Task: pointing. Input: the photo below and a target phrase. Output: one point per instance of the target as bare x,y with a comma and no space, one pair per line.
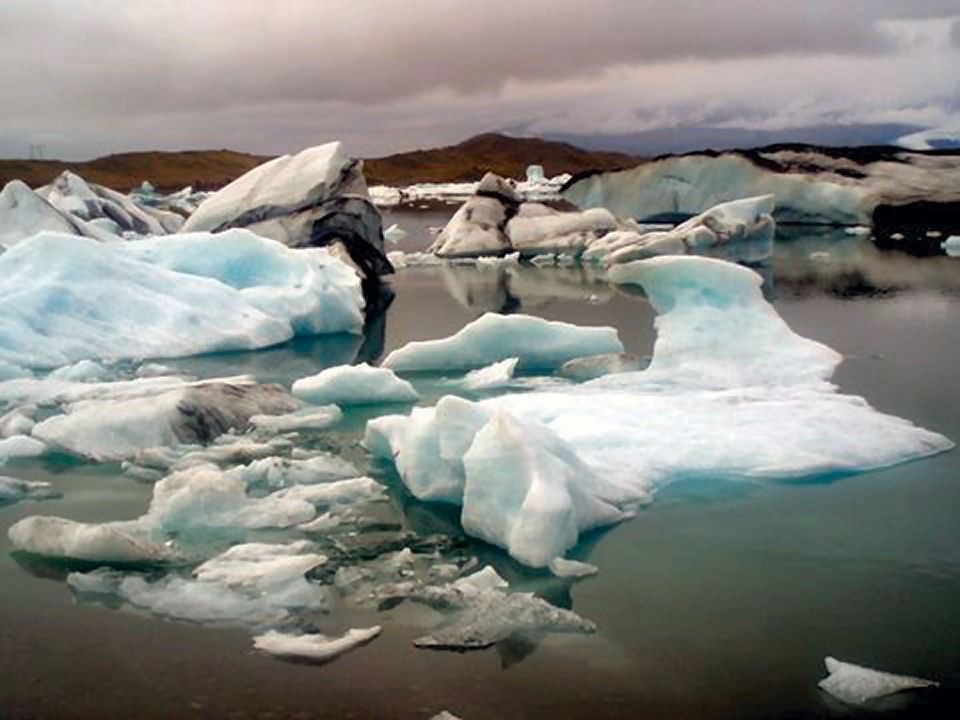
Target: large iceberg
316,198
731,392
843,186
66,298
537,343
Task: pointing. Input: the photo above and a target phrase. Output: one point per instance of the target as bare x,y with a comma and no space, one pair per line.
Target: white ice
24,213
354,385
731,392
66,298
561,567
855,685
13,490
315,647
490,377
60,538
538,343
311,418
20,446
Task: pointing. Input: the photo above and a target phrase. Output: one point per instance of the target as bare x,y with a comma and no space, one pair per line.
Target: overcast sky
89,77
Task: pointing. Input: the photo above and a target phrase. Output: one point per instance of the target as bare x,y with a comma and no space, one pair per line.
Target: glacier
315,198
66,298
535,342
731,392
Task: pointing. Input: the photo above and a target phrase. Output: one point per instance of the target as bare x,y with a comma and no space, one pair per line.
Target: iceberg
24,213
855,685
316,198
195,413
537,343
842,186
278,472
18,446
354,385
315,647
490,377
596,366
307,419
18,421
66,298
94,203
731,392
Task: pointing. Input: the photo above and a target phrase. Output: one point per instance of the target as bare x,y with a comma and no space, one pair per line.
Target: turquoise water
720,600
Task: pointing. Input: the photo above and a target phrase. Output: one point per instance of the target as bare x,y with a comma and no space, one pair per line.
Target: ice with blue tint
731,392
492,376
20,446
536,342
24,213
14,490
354,385
66,298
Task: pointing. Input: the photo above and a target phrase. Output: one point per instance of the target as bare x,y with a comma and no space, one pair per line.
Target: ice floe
537,343
316,647
490,377
315,198
354,385
66,298
311,418
20,446
104,543
855,685
731,392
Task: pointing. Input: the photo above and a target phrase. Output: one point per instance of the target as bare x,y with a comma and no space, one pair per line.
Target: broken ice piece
854,684
571,568
315,647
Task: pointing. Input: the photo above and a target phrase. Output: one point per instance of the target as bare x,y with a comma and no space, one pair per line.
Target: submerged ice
731,392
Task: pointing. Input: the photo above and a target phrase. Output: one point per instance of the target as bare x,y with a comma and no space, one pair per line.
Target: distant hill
490,152
167,171
677,140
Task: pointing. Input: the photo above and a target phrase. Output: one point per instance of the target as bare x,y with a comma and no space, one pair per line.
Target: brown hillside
212,169
489,152
168,171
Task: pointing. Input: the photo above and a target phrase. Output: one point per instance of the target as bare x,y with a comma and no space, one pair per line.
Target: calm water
720,600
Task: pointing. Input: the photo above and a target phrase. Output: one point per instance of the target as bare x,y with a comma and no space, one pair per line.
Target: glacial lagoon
720,599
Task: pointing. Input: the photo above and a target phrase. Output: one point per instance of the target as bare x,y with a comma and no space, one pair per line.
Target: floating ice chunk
24,213
83,371
855,685
564,568
13,490
731,392
310,289
712,322
18,446
394,234
536,342
18,421
116,430
486,579
748,219
951,246
527,491
315,647
486,614
319,418
354,385
202,498
277,472
52,315
316,197
535,173
477,228
493,376
559,232
60,538
595,366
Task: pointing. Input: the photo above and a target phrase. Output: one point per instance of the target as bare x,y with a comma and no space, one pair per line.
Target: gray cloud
264,73
955,33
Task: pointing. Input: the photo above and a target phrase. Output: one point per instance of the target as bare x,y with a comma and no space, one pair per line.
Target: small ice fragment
394,234
854,684
309,419
491,376
354,385
571,568
13,490
313,647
